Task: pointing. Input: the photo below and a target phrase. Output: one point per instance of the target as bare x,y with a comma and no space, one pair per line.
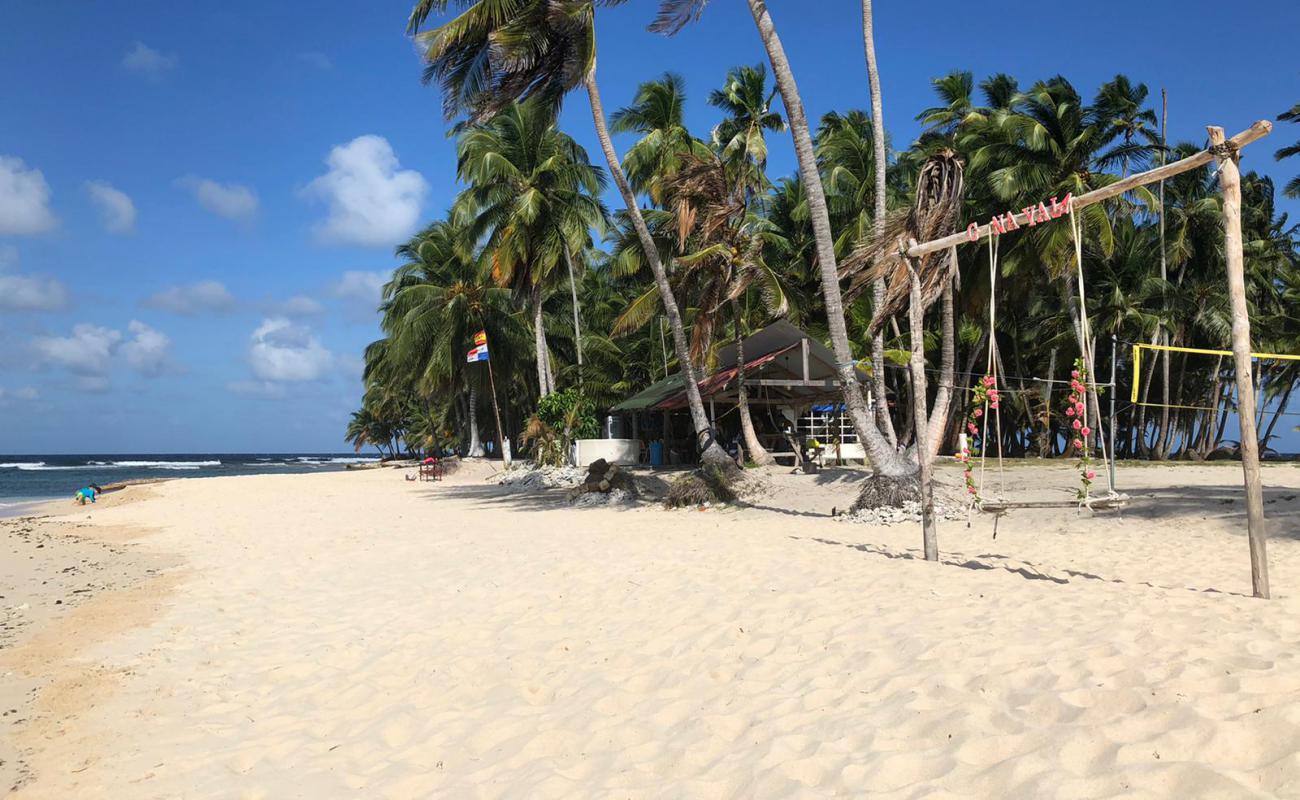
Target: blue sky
198,200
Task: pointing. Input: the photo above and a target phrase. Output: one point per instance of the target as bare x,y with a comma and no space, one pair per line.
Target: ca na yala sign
1043,212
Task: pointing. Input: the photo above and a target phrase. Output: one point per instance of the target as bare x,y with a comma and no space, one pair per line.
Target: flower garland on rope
984,394
1076,410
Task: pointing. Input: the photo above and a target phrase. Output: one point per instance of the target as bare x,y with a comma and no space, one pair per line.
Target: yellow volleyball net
1136,397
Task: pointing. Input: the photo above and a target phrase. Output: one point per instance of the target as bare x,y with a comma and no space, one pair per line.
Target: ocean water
27,478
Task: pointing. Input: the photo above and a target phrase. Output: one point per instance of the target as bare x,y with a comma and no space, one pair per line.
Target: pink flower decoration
1077,425
1090,474
994,405
1069,412
1085,430
979,412
970,426
970,489
1078,443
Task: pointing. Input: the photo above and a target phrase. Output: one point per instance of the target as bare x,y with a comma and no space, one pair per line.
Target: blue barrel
656,454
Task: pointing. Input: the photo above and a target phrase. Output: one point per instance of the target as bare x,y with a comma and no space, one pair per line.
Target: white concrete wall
615,451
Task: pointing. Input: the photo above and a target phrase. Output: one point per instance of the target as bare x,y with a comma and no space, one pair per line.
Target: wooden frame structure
1226,153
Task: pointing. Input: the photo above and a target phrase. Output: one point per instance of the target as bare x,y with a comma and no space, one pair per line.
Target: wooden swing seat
1097,504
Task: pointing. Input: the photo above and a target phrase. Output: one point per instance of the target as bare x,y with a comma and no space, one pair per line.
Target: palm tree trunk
878,150
1277,414
884,458
475,446
712,452
539,347
947,367
1143,449
757,453
1047,442
1166,444
577,327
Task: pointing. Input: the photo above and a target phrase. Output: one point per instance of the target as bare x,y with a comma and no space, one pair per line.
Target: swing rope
1086,343
990,368
1112,500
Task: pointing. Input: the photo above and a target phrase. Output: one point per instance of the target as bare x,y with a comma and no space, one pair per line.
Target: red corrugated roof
718,380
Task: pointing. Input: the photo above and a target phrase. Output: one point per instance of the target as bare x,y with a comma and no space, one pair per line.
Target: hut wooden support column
1225,152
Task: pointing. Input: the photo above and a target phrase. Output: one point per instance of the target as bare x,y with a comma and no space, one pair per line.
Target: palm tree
878,214
493,54
746,105
673,16
531,201
1292,187
1121,111
658,114
434,304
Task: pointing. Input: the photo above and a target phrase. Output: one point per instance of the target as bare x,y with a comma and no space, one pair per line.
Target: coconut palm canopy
737,247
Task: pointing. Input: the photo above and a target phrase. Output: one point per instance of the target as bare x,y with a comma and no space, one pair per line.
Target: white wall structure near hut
615,451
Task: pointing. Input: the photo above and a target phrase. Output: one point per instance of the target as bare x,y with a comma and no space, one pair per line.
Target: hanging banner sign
1033,215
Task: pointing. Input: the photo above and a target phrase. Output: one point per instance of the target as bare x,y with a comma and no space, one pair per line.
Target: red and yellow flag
480,338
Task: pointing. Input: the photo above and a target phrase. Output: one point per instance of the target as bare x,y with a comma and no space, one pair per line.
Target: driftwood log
604,477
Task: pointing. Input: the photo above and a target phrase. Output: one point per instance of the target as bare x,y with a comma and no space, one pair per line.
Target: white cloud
315,58
24,199
28,292
144,60
86,352
256,388
90,350
22,393
229,200
283,351
371,201
115,207
360,286
299,306
147,350
190,300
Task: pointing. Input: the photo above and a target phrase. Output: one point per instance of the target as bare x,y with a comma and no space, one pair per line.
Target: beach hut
791,380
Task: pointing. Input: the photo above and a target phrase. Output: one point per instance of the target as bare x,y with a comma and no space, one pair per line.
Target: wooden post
496,412
1255,132
916,318
1230,182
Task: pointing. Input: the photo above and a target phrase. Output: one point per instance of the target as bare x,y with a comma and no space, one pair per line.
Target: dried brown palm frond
935,213
703,197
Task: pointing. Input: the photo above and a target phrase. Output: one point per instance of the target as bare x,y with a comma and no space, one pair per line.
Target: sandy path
356,635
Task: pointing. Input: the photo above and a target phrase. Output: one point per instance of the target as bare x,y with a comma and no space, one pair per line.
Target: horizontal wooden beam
829,383
1255,132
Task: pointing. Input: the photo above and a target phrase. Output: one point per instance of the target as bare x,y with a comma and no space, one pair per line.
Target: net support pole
1114,389
1230,183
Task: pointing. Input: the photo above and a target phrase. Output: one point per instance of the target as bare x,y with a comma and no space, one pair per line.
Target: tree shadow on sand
1025,569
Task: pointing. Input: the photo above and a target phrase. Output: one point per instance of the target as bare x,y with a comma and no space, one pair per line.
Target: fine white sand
356,635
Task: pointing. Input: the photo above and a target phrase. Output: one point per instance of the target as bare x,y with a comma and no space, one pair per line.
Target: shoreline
353,633
59,578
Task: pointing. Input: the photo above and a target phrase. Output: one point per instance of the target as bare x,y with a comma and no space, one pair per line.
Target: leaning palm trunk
757,453
878,218
711,452
938,423
475,446
884,458
577,328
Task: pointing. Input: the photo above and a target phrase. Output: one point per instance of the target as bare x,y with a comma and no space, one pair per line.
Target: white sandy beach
356,635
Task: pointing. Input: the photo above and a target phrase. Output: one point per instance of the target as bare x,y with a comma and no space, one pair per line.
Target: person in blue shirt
87,493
